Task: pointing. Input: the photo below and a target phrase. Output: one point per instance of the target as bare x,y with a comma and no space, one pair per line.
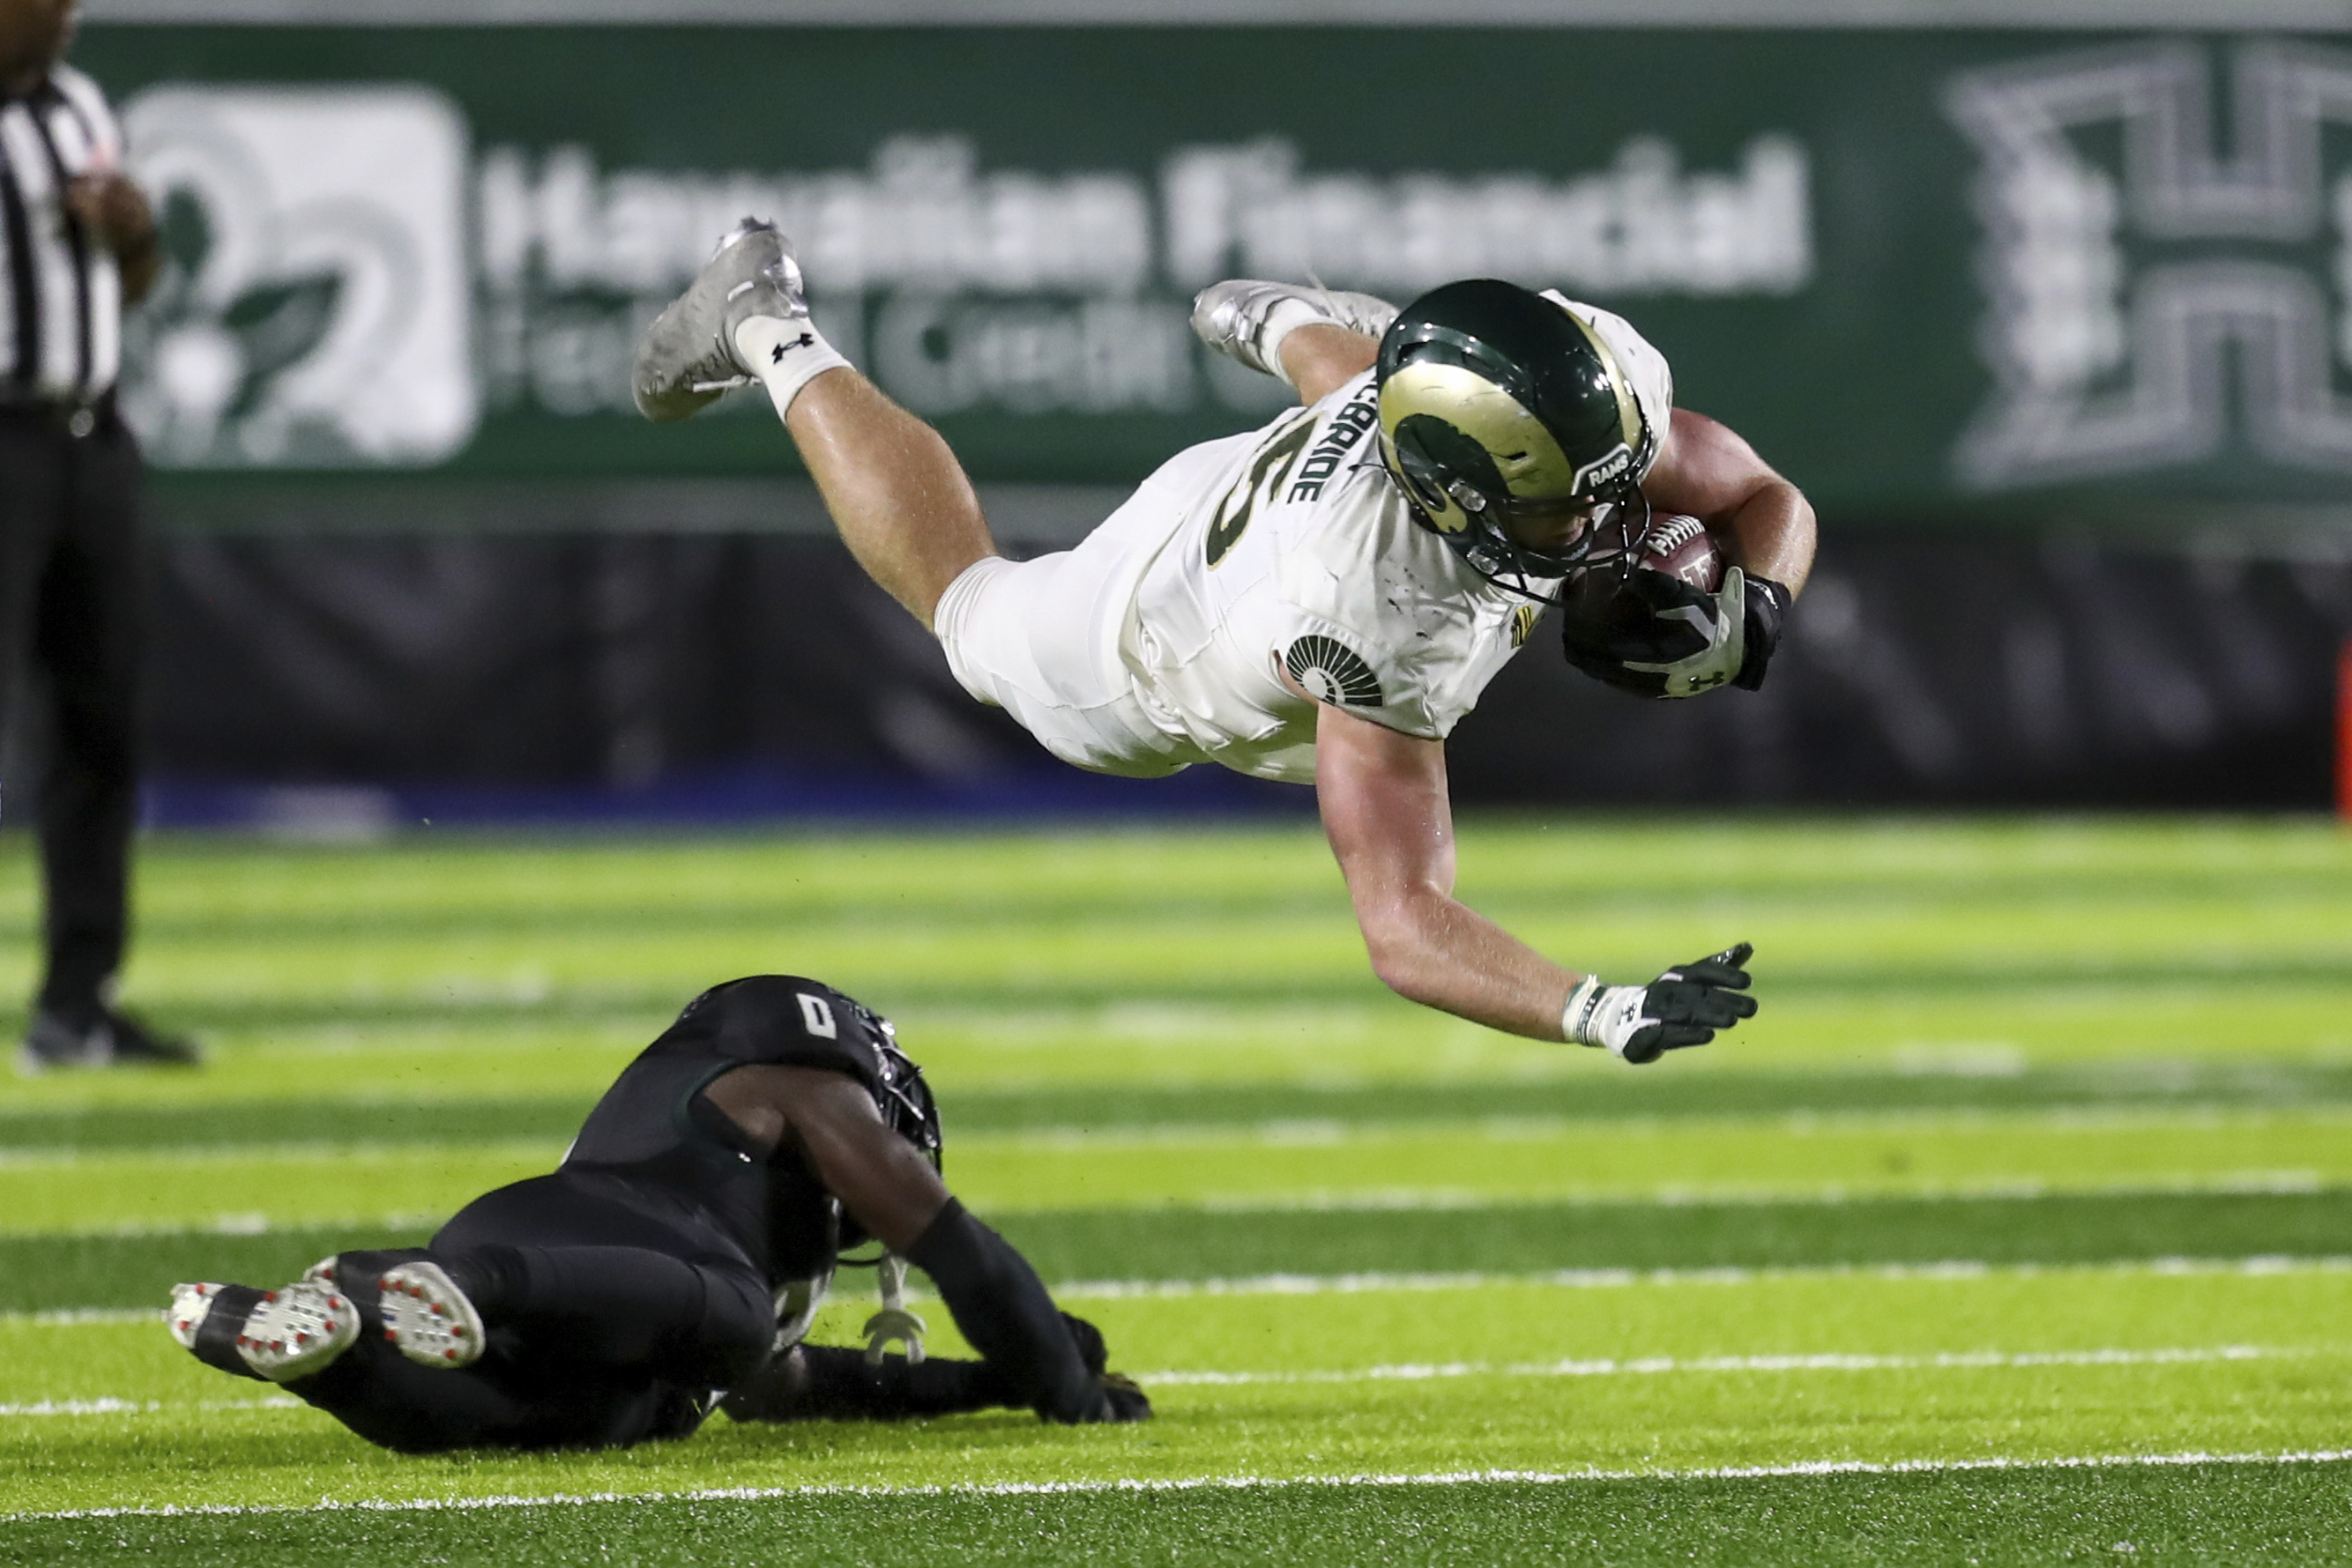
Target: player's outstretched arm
995,1296
1391,823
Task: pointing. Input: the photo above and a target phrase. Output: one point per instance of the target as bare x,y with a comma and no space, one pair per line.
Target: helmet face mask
1512,431
907,1104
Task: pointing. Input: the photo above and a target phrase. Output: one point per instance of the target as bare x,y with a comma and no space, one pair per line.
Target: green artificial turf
2211,1513
2037,1152
1095,1107
50,1273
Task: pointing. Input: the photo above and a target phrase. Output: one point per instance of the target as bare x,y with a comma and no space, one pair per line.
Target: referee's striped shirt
60,296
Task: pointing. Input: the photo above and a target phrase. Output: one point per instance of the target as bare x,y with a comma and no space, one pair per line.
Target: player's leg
323,1342
584,1279
897,493
902,502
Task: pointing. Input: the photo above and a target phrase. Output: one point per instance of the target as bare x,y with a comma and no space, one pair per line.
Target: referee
77,244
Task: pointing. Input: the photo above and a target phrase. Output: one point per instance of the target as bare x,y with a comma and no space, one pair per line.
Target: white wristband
1608,1017
1281,322
1576,1019
786,354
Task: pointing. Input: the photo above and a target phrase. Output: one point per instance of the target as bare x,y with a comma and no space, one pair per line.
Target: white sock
786,355
1281,322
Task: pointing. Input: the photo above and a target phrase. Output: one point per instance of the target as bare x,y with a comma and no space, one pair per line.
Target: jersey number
1241,502
817,1015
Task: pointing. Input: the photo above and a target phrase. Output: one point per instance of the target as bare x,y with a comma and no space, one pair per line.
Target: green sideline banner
1925,271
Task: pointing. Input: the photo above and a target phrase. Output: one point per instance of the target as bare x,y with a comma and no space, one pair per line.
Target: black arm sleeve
1001,1305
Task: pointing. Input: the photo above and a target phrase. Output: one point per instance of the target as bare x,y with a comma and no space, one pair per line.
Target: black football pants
607,1328
71,592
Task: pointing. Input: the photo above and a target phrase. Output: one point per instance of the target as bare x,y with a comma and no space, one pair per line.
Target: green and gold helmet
1499,405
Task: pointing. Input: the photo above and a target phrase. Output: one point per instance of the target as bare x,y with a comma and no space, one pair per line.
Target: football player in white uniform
1320,600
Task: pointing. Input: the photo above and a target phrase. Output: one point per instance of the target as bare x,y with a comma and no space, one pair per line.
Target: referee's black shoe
104,1038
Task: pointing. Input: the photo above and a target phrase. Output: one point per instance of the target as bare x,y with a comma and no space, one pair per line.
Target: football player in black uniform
675,1258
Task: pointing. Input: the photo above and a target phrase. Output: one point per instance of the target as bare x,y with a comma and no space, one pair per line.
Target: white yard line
1646,1366
1212,1483
2219,1184
1557,1278
2223,1184
1610,1278
113,1406
1651,1366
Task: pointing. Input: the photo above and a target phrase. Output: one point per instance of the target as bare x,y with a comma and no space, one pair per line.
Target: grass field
2014,1229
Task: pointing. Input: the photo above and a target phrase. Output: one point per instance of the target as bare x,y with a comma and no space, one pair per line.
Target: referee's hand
116,211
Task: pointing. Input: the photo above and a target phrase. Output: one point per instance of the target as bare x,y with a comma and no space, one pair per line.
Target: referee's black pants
71,590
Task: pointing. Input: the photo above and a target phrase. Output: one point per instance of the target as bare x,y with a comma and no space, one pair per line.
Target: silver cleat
685,360
427,1318
1231,316
287,1334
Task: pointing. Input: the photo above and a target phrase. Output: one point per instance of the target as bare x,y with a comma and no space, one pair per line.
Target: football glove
1659,637
1767,606
1683,1007
1122,1400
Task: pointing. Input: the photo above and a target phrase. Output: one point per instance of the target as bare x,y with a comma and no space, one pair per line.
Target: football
1680,547
1596,606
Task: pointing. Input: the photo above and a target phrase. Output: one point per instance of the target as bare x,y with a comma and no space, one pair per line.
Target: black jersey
654,1133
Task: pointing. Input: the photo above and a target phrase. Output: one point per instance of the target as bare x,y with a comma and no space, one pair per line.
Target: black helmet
1498,404
904,1100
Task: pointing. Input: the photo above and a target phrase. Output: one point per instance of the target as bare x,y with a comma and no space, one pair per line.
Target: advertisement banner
1982,273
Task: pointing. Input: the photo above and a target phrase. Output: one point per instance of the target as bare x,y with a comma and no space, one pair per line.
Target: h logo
2147,270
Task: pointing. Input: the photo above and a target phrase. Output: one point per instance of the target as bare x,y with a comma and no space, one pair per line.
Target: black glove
1767,606
1683,1007
1656,636
1123,1399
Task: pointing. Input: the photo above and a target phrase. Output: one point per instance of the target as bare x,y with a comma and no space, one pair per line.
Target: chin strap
894,1321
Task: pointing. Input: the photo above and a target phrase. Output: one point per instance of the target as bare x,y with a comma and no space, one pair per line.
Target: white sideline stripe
1563,1279
1215,1483
1651,1367
1607,1278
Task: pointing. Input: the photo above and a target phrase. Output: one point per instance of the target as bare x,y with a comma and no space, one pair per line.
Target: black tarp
1918,671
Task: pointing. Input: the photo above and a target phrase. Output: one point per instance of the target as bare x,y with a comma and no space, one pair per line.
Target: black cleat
110,1038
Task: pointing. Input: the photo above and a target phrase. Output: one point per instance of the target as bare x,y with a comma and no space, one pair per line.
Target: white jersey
1161,640
1294,552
